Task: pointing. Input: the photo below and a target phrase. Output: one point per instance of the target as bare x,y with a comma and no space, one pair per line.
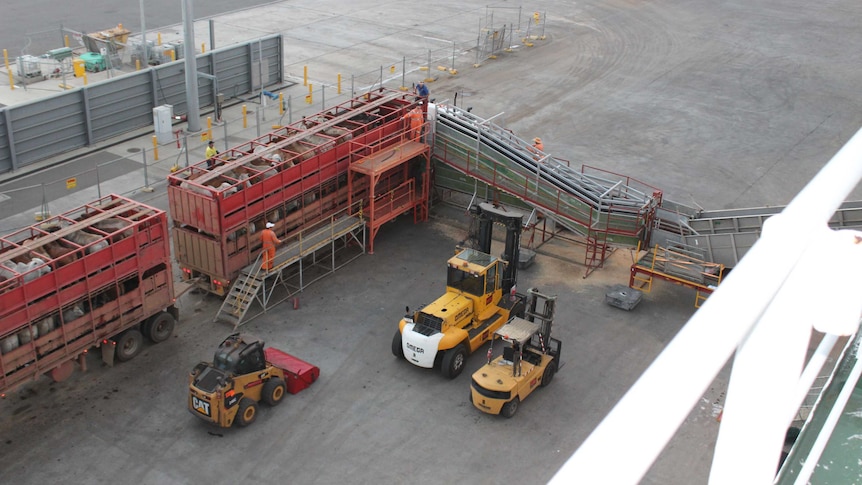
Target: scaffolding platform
679,264
310,255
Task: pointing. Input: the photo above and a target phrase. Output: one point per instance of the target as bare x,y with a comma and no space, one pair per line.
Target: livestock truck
293,176
95,276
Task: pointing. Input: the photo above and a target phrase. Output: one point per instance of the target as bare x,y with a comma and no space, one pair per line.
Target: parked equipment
96,276
530,358
480,297
242,374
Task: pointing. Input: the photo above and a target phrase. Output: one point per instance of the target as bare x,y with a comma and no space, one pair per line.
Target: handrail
764,307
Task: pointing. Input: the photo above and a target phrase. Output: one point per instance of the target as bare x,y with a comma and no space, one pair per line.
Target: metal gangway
314,252
603,207
726,235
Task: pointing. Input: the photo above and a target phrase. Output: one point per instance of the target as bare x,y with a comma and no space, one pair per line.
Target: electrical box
162,116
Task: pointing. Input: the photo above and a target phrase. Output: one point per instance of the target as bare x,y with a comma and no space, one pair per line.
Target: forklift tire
510,408
160,327
549,373
397,349
273,391
453,361
129,345
247,412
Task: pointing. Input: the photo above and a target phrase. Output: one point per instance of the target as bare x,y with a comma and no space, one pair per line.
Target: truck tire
273,391
510,408
453,361
549,373
247,412
160,327
397,349
129,345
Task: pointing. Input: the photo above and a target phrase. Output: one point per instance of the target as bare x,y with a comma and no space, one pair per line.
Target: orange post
244,116
305,75
11,77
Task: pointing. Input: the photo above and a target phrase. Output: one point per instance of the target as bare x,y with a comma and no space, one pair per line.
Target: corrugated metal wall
34,131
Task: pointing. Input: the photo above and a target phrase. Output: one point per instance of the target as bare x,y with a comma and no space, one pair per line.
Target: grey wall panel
51,126
48,127
5,153
232,67
121,105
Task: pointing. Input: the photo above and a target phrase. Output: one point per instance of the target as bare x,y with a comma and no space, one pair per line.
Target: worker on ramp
268,241
415,118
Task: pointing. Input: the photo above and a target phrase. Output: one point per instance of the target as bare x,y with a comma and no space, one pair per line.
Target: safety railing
799,277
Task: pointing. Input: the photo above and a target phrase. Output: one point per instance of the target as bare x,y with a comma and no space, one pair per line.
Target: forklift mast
488,215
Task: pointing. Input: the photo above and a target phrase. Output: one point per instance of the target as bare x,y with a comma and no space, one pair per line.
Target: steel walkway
341,236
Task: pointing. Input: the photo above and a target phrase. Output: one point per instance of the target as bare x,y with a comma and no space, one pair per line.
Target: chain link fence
145,166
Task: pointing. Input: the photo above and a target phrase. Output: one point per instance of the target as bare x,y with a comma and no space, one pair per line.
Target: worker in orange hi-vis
538,145
269,241
415,118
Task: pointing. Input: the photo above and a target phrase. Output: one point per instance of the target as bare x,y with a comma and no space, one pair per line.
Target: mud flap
109,350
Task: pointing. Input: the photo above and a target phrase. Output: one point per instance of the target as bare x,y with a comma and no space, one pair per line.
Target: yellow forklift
244,372
480,297
529,359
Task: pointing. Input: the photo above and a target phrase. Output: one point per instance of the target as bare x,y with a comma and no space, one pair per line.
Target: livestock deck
96,276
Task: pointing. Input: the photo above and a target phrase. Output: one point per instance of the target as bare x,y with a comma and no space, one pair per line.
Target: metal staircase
297,264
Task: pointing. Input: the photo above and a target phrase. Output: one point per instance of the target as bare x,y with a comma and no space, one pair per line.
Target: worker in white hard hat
268,242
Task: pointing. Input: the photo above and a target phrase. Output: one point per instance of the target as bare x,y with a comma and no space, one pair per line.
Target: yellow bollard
155,148
66,40
536,17
137,64
85,78
203,47
305,75
209,127
339,83
281,103
308,98
244,116
392,68
11,77
159,38
173,55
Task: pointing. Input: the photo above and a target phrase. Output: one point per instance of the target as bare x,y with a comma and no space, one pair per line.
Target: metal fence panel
5,152
121,105
48,127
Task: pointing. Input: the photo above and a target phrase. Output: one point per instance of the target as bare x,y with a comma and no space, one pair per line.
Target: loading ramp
603,207
313,253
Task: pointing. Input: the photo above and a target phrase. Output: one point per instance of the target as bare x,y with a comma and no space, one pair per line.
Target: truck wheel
453,361
510,408
160,327
129,344
273,391
397,349
548,375
247,412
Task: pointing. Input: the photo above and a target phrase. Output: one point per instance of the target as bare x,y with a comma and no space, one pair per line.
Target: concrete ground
723,105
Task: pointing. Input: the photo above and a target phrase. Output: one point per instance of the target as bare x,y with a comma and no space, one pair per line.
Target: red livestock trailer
96,276
292,177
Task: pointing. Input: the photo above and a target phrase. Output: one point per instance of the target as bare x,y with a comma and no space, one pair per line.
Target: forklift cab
239,355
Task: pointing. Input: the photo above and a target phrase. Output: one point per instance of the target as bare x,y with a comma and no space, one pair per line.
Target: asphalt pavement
721,105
